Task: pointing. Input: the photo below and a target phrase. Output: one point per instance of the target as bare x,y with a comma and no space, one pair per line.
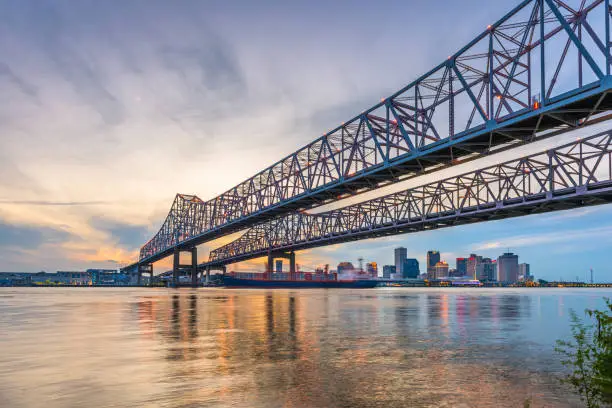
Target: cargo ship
297,281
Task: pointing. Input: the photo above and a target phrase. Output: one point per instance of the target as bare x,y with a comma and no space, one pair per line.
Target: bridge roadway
573,175
545,65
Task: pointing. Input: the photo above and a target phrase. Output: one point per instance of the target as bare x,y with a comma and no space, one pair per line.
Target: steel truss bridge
542,68
573,175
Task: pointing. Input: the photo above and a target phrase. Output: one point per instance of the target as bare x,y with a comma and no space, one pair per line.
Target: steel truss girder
575,174
481,97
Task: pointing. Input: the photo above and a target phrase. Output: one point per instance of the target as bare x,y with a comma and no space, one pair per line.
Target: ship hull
231,282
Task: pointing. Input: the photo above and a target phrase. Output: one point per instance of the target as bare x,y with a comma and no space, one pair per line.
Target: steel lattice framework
544,65
576,174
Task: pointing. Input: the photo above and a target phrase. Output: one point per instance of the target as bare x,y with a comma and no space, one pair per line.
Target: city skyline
101,133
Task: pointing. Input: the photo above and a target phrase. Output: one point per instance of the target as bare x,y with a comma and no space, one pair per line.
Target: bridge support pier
283,255
145,268
191,269
194,267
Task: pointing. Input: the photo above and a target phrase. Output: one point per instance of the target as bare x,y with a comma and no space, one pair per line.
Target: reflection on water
387,347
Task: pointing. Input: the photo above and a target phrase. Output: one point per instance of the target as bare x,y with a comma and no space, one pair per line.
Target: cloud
575,235
127,235
30,237
52,203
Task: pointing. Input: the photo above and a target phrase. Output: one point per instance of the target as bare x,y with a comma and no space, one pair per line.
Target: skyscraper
507,265
524,273
461,267
388,271
400,258
485,270
411,269
433,257
440,270
472,262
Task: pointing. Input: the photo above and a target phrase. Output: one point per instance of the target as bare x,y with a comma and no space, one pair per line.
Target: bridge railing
576,168
540,53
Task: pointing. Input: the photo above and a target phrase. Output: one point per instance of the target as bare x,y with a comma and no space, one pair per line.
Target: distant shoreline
585,286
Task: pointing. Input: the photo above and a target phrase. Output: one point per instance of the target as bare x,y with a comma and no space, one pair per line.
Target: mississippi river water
386,347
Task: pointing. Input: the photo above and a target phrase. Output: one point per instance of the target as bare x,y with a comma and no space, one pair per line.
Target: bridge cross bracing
573,175
544,66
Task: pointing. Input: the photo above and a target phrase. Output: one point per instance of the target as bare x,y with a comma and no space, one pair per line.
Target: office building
508,269
400,257
411,269
388,271
461,267
524,273
485,270
440,270
279,265
433,257
472,263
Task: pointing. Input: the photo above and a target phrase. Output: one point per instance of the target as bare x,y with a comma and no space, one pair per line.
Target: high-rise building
461,267
400,258
388,271
344,267
524,273
440,270
372,269
279,265
508,267
485,270
433,257
472,262
411,269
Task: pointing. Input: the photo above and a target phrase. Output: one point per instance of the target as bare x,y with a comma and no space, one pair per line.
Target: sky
108,109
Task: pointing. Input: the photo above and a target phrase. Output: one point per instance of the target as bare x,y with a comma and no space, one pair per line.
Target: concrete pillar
208,275
194,266
139,275
270,263
175,267
292,265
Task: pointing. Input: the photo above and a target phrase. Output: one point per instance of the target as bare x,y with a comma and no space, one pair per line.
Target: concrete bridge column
292,265
194,266
176,267
283,255
144,268
270,267
208,275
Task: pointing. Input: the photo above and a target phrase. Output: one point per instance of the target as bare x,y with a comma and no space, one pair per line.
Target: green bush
589,355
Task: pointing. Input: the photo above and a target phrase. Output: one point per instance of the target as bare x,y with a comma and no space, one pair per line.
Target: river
384,347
